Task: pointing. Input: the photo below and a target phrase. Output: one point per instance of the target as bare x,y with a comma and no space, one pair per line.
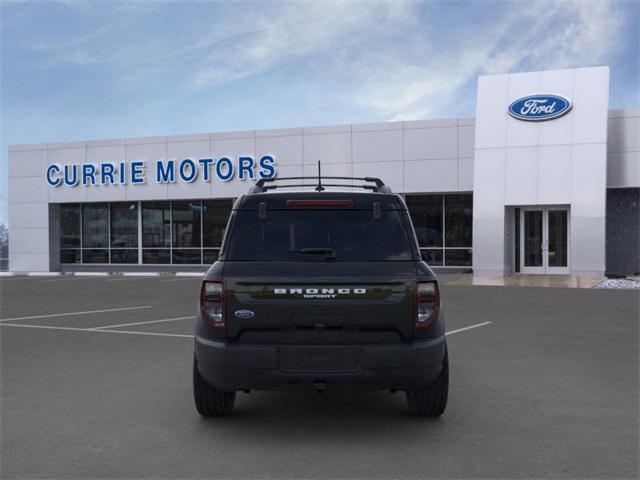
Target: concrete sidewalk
556,281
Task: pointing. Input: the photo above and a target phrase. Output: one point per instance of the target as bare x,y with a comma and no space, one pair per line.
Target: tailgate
341,303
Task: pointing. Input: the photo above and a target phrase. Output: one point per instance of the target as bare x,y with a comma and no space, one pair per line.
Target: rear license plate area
318,358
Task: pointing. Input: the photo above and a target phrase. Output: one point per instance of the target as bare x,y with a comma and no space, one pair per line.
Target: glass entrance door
544,241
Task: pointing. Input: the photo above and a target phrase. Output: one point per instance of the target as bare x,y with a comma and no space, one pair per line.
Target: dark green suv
320,290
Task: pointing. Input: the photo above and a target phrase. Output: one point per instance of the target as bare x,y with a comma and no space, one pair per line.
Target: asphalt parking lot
96,383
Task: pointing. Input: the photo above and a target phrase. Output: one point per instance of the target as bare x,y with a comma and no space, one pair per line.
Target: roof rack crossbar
266,188
378,187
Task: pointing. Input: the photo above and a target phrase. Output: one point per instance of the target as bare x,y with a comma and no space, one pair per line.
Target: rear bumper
232,367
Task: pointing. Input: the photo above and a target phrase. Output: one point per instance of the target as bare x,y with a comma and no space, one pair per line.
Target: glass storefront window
185,221
457,257
95,225
210,255
124,225
433,256
172,232
186,256
444,221
127,255
70,226
458,214
215,214
426,215
95,255
70,256
156,255
156,224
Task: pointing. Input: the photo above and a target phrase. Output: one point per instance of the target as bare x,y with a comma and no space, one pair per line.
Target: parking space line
141,323
160,334
68,314
180,279
74,278
464,329
75,329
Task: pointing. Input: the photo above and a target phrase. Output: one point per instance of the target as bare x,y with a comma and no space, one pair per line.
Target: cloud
535,37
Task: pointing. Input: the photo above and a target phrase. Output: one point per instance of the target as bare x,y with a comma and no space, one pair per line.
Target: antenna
319,188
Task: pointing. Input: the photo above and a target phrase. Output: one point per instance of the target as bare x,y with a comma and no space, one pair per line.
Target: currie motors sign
137,172
536,108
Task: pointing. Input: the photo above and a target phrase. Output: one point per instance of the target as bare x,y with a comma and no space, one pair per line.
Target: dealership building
544,180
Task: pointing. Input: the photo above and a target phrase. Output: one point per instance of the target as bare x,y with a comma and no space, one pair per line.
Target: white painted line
91,274
140,274
190,274
7,274
43,274
142,323
178,279
464,329
74,313
74,329
70,278
121,278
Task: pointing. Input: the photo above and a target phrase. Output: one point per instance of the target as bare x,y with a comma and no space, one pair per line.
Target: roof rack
377,184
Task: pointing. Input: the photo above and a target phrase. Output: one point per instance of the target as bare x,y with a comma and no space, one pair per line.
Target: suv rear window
315,235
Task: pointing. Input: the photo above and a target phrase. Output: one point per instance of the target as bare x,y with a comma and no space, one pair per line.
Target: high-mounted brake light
320,203
427,303
212,302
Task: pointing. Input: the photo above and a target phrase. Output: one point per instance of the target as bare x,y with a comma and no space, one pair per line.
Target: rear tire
211,402
432,400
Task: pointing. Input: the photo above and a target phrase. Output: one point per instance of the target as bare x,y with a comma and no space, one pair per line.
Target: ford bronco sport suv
320,290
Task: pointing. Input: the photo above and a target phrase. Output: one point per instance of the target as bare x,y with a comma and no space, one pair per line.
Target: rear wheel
211,402
432,400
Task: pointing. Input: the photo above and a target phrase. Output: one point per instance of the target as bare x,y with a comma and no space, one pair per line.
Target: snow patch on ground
618,283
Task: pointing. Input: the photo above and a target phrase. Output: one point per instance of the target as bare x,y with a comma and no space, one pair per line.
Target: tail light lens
427,303
212,303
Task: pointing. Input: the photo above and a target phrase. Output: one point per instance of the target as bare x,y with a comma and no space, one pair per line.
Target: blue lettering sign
188,174
51,170
71,175
267,167
137,172
165,173
106,173
228,165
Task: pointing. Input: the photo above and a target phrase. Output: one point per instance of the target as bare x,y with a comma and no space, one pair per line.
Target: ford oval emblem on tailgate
244,314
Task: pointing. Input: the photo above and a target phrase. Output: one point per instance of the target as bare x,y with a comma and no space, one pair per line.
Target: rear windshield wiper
329,253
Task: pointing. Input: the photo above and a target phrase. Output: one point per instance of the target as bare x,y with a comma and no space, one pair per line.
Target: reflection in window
128,255
186,224
444,221
459,257
95,225
70,226
458,214
426,215
215,214
124,225
172,232
156,224
433,256
95,255
156,255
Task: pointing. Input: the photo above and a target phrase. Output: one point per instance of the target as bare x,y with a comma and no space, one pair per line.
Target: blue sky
82,70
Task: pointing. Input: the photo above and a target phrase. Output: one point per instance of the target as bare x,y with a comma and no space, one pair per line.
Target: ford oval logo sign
536,108
244,314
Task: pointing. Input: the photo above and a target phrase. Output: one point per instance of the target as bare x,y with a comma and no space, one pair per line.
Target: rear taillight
427,303
212,302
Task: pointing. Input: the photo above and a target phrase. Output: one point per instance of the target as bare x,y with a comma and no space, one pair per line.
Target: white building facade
544,180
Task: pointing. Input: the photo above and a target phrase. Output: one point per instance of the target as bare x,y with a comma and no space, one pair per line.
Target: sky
73,70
